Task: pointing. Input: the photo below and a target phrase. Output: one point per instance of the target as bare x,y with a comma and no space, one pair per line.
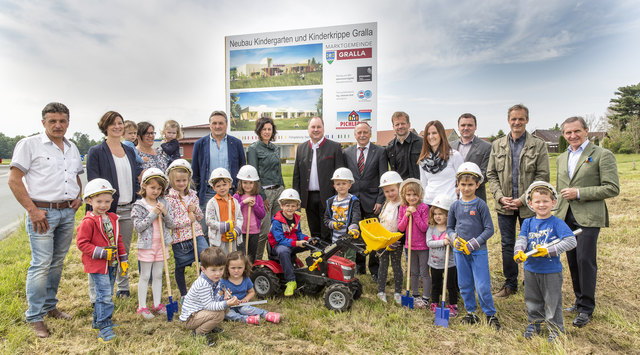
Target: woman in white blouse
438,163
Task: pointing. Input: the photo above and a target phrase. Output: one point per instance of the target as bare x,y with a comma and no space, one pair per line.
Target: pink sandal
253,320
160,309
273,317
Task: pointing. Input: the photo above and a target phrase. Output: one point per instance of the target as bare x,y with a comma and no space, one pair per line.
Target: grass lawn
369,327
313,78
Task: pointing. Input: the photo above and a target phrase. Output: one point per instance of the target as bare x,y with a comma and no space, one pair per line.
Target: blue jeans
507,225
237,314
284,253
48,251
473,275
103,309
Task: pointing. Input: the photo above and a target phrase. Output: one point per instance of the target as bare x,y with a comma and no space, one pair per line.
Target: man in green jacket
587,175
516,160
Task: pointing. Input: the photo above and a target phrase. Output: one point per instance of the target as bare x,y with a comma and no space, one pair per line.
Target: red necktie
361,159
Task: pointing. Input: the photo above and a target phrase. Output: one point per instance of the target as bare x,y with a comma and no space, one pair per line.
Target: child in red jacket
100,242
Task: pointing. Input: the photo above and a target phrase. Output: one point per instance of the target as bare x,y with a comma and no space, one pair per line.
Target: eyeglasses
150,134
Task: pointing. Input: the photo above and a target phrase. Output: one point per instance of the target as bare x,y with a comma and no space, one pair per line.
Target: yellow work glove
107,253
541,252
520,257
461,245
231,235
125,266
337,225
354,233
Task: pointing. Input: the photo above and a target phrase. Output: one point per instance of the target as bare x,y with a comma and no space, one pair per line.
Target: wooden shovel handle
195,247
164,254
409,228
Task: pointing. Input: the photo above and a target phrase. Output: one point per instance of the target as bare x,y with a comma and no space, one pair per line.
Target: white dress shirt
314,184
574,156
49,172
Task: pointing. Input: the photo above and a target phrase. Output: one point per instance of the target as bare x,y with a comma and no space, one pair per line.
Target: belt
54,205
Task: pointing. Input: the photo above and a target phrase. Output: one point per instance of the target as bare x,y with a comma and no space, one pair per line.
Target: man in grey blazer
473,148
367,162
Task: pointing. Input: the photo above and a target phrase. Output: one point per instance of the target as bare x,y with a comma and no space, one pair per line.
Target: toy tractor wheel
356,289
265,282
338,298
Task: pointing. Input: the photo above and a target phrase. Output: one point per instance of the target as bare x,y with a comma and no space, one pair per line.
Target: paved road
10,210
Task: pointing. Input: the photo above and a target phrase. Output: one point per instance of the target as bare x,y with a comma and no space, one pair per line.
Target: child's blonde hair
128,124
412,186
173,177
254,191
432,210
238,255
172,124
162,182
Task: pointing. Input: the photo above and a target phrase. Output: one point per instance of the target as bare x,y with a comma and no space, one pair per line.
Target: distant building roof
550,136
384,137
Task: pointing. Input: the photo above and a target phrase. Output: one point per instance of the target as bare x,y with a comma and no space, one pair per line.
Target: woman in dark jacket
115,162
265,157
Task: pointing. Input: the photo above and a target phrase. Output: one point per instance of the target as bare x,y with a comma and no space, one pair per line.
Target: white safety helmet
542,184
181,164
443,201
470,168
219,173
390,178
153,172
97,186
342,174
289,194
248,173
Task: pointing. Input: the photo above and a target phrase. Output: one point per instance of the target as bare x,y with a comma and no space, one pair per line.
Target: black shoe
470,318
217,330
573,308
581,320
532,329
374,277
493,321
211,339
123,294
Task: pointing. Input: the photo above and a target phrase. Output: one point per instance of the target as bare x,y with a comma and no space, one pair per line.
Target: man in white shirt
316,160
44,178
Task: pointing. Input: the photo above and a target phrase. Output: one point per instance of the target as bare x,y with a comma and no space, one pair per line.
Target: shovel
407,301
442,313
246,238
195,247
172,306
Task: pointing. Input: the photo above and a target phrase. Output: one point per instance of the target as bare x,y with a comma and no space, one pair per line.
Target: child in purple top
248,194
411,192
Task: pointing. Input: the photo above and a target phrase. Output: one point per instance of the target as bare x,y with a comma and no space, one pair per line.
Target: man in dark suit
316,159
367,162
587,175
472,148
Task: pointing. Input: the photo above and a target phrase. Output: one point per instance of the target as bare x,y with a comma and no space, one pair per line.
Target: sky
156,60
280,55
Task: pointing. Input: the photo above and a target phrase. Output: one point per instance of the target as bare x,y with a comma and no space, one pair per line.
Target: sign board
292,76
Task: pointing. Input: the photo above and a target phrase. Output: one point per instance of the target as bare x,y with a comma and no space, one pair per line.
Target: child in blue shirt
470,220
237,282
543,269
205,304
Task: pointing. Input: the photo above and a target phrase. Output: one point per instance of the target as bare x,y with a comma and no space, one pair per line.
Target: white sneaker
397,297
382,296
144,312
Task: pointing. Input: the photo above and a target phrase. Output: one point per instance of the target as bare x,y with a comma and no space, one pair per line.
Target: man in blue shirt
215,150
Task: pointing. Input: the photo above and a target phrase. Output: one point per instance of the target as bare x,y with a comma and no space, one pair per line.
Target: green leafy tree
83,142
7,144
556,128
562,144
625,106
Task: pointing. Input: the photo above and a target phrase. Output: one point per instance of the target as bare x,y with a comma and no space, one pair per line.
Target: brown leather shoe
55,313
504,292
40,329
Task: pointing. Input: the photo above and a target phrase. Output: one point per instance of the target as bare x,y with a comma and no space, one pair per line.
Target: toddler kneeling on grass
204,305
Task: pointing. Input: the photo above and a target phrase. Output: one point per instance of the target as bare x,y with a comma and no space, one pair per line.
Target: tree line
81,140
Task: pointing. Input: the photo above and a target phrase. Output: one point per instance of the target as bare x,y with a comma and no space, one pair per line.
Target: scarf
433,164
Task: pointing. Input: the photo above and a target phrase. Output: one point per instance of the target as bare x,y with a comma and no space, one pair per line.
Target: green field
370,327
312,78
281,124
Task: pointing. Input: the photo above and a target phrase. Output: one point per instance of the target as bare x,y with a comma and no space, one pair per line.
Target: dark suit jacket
100,164
479,153
596,178
200,162
366,184
329,158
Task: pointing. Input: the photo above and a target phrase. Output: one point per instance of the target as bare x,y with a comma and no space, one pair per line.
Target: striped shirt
204,294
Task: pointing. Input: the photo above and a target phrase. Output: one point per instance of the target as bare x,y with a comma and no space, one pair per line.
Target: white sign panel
292,76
